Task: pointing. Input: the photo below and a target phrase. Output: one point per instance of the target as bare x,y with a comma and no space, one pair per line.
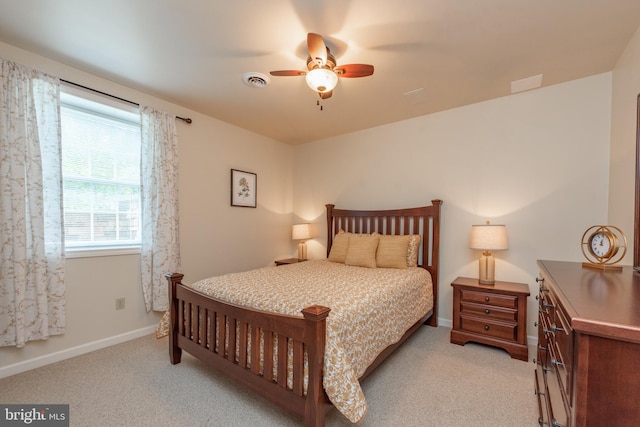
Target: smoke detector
254,79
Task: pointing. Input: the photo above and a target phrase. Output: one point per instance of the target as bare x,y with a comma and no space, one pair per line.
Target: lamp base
302,250
487,269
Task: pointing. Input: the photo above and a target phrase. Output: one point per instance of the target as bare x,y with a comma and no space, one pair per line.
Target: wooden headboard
422,220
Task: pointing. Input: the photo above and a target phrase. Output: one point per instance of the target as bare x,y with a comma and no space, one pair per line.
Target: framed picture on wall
243,188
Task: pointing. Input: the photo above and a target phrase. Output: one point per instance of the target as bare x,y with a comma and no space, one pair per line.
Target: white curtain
159,178
32,304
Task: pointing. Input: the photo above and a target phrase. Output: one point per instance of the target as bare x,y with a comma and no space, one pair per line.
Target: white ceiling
452,52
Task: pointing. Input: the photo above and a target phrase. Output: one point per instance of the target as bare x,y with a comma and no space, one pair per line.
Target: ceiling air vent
254,79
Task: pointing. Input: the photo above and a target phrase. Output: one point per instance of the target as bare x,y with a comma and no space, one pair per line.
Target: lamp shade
301,232
489,237
321,80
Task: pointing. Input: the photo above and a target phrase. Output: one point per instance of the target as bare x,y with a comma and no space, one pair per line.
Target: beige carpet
427,382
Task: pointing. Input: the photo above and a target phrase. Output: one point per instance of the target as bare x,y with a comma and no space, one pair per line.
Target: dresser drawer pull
487,299
555,328
541,287
544,304
486,327
487,311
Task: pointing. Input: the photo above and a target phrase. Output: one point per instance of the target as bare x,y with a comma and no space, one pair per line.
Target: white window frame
84,99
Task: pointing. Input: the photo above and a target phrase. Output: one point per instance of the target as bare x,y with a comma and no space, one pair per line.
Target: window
100,172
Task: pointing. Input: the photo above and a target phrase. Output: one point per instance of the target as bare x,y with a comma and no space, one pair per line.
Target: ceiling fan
322,75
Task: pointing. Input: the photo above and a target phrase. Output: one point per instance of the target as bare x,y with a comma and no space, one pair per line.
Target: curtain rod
184,119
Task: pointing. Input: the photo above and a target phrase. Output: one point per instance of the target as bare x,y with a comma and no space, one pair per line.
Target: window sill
100,252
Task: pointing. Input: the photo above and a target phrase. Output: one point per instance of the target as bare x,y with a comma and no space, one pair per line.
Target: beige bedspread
371,308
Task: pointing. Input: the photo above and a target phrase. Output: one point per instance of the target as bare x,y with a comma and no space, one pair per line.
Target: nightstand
289,261
495,315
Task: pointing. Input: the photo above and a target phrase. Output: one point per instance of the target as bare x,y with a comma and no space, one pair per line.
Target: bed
293,359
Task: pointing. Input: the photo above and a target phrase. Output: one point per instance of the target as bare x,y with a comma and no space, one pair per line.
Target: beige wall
215,237
537,161
626,87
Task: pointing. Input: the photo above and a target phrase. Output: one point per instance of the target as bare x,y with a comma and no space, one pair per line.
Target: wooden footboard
232,338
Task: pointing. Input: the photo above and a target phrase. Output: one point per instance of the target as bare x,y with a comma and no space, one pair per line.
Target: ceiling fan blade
317,48
354,70
285,73
325,95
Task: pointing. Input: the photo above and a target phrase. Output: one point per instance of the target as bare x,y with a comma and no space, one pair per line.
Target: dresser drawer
505,331
561,346
557,365
543,398
559,412
489,312
497,300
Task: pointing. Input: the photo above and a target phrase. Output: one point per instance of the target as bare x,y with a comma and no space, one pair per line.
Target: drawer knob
486,327
486,299
487,311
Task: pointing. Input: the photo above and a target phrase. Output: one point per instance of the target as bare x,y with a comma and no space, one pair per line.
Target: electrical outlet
119,303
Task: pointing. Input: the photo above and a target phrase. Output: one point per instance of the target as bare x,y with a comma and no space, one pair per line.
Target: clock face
600,245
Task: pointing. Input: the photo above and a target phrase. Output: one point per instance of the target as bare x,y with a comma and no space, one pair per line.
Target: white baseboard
38,362
447,323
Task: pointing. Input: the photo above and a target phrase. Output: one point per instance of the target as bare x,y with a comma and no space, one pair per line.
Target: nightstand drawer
507,301
488,312
505,331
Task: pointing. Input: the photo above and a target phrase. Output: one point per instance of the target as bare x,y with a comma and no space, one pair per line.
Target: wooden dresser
588,356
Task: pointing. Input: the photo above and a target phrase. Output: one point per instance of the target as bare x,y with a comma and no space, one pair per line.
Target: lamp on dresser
488,237
301,232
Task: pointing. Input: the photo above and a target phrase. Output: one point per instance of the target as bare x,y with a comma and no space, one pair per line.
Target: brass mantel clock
603,246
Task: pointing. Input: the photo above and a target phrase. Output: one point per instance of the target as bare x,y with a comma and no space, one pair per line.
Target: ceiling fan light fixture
321,80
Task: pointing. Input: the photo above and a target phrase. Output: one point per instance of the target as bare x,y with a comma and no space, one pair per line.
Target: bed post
329,227
316,401
435,255
175,352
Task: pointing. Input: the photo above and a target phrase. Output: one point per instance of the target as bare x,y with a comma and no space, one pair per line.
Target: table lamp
487,238
301,232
